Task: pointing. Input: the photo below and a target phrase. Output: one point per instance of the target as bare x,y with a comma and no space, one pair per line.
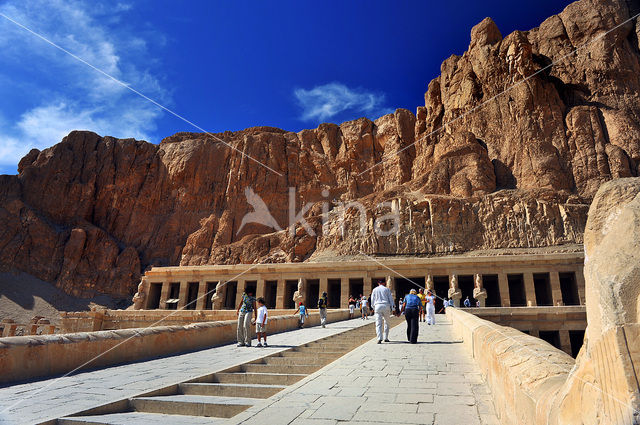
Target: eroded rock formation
477,167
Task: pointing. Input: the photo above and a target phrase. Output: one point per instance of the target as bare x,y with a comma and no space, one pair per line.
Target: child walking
261,322
303,313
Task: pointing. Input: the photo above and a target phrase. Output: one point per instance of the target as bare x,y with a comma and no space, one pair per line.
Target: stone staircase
212,398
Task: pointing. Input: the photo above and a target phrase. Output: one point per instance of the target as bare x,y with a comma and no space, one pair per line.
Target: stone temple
516,186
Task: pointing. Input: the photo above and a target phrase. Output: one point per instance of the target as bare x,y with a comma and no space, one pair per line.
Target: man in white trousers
382,303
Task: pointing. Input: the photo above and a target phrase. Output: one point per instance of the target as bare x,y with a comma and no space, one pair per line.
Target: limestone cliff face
516,169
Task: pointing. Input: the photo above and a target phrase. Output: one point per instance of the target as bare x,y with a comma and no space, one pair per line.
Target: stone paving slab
42,400
432,382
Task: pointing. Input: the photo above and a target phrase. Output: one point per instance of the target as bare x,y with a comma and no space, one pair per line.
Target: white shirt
364,301
262,315
381,296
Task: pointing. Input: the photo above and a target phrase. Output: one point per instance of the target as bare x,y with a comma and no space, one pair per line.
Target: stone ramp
226,393
432,382
43,401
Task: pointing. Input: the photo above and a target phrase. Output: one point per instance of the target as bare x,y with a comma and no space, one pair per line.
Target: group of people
416,307
362,303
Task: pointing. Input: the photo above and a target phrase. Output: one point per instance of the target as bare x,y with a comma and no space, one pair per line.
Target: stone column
479,293
556,292
323,287
344,292
530,290
280,293
202,296
260,288
454,291
239,291
581,285
367,286
182,298
503,284
164,294
565,341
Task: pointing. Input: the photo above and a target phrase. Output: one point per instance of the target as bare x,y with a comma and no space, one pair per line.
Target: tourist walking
364,307
445,304
261,322
467,303
412,309
322,309
421,296
382,303
352,306
245,308
430,301
303,313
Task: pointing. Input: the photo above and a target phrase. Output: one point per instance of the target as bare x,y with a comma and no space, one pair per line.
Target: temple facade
545,279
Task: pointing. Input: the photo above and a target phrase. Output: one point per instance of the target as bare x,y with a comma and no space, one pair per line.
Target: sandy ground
23,296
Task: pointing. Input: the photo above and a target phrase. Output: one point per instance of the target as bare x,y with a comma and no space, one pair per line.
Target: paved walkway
53,398
432,382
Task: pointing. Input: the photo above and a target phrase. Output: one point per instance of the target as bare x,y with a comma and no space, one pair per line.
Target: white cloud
65,94
328,100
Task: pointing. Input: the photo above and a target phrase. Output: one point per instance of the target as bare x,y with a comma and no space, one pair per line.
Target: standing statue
140,296
429,284
479,293
454,291
216,298
298,296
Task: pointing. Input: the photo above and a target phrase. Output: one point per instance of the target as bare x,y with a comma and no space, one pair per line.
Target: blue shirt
413,301
303,310
247,303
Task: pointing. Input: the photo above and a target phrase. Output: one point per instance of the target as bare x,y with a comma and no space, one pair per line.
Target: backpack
322,303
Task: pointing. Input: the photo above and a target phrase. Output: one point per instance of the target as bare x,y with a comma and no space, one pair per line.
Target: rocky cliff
515,137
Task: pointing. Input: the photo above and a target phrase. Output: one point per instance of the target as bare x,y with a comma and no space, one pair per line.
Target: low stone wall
524,372
26,357
102,320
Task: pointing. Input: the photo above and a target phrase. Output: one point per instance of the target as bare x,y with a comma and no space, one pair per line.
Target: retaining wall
524,372
27,357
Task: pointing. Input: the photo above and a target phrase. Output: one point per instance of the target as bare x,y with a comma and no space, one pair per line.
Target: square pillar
164,294
530,290
305,291
260,288
367,286
324,286
344,292
239,291
182,298
202,296
565,341
280,293
580,283
556,292
503,284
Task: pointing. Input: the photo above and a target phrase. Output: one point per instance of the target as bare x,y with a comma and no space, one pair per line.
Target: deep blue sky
225,65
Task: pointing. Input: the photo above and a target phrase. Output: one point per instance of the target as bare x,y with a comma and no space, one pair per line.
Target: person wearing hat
412,308
382,302
322,308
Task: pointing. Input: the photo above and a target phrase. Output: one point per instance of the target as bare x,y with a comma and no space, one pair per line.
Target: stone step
296,360
271,368
258,378
193,405
139,418
310,353
230,390
329,350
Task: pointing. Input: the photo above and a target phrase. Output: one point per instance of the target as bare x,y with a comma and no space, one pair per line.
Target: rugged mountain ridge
91,212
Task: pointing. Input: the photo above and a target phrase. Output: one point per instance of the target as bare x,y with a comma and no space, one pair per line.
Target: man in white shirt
382,302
